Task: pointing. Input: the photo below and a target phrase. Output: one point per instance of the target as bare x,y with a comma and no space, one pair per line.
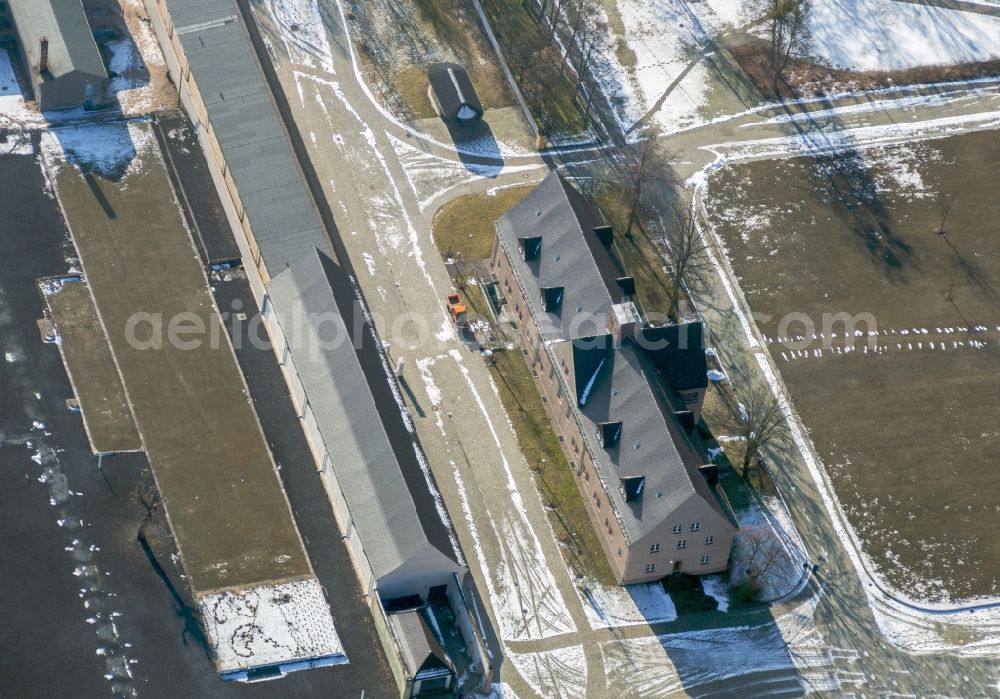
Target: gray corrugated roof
64,24
626,386
338,394
246,123
416,641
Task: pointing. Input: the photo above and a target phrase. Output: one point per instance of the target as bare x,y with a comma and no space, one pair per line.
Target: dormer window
608,433
632,487
552,297
530,247
605,234
627,285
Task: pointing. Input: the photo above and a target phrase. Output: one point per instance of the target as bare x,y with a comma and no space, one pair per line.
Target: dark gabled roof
572,257
651,443
253,139
346,402
624,384
417,643
64,24
454,92
678,352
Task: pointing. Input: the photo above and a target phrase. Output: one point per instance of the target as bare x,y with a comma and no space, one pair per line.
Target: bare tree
686,255
763,423
763,556
787,25
644,168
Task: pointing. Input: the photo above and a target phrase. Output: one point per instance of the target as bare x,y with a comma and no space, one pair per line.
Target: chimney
623,321
43,55
605,234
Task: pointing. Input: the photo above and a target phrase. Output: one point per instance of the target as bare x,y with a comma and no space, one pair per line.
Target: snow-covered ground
666,38
783,655
14,114
137,67
645,603
557,673
303,32
431,177
891,35
111,149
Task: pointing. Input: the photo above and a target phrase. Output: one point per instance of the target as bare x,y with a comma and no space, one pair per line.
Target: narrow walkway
960,5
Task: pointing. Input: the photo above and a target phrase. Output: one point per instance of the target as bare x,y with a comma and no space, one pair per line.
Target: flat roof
225,502
266,625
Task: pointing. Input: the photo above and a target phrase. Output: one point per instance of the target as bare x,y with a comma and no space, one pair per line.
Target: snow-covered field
557,673
891,35
667,38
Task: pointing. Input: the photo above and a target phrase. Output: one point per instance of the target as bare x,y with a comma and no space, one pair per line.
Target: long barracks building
402,546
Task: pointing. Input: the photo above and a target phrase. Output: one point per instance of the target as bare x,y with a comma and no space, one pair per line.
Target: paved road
383,183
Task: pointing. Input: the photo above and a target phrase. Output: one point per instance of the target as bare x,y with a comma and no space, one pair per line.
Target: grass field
562,500
464,226
535,63
399,40
905,423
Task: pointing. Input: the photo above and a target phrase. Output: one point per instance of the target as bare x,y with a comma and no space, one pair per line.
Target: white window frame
682,544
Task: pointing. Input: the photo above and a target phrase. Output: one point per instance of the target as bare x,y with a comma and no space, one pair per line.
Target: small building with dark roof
452,94
623,396
60,54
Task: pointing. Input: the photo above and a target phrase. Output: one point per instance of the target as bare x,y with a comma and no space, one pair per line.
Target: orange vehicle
457,311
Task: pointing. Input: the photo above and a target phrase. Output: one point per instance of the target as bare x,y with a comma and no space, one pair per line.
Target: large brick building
624,396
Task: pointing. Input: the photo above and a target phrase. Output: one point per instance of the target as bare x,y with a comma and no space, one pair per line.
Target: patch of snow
554,673
716,587
892,35
268,624
644,603
112,149
590,384
302,27
369,262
